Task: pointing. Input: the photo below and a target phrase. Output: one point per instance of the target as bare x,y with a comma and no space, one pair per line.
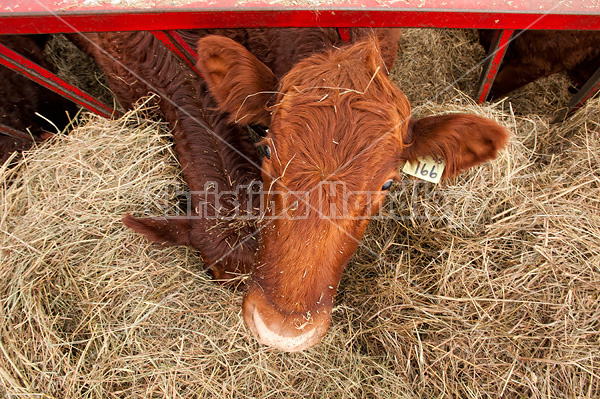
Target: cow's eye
268,151
387,185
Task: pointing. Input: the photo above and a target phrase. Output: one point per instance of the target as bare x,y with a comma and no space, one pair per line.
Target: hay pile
486,286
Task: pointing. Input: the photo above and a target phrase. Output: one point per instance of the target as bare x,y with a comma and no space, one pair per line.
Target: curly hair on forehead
351,82
330,130
351,67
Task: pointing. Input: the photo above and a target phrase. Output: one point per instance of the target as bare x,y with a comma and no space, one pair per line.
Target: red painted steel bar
54,16
496,53
590,88
105,22
9,131
345,34
178,46
22,65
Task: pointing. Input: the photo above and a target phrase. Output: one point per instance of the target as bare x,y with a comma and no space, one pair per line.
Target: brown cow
334,119
535,54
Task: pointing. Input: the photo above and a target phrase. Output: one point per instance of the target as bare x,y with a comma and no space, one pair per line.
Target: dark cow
333,119
536,54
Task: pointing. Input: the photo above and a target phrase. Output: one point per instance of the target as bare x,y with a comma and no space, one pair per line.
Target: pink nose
289,332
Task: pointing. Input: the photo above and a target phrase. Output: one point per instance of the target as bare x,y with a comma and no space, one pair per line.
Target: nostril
248,310
277,338
288,332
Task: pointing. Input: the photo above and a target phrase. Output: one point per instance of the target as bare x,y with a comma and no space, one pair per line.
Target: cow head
338,129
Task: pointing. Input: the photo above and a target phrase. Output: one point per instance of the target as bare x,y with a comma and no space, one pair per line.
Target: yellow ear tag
426,169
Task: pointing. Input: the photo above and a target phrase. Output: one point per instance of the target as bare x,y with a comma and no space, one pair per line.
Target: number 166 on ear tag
425,168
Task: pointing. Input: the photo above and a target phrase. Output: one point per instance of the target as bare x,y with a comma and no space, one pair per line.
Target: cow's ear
162,231
462,141
241,84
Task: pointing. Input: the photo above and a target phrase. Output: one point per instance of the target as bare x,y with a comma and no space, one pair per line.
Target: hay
486,286
75,67
433,65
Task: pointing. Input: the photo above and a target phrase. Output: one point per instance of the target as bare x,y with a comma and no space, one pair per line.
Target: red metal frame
162,18
345,34
591,87
54,16
33,71
496,53
178,46
144,20
9,131
587,91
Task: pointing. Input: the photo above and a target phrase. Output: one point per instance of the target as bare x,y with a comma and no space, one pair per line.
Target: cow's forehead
316,145
338,126
336,115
